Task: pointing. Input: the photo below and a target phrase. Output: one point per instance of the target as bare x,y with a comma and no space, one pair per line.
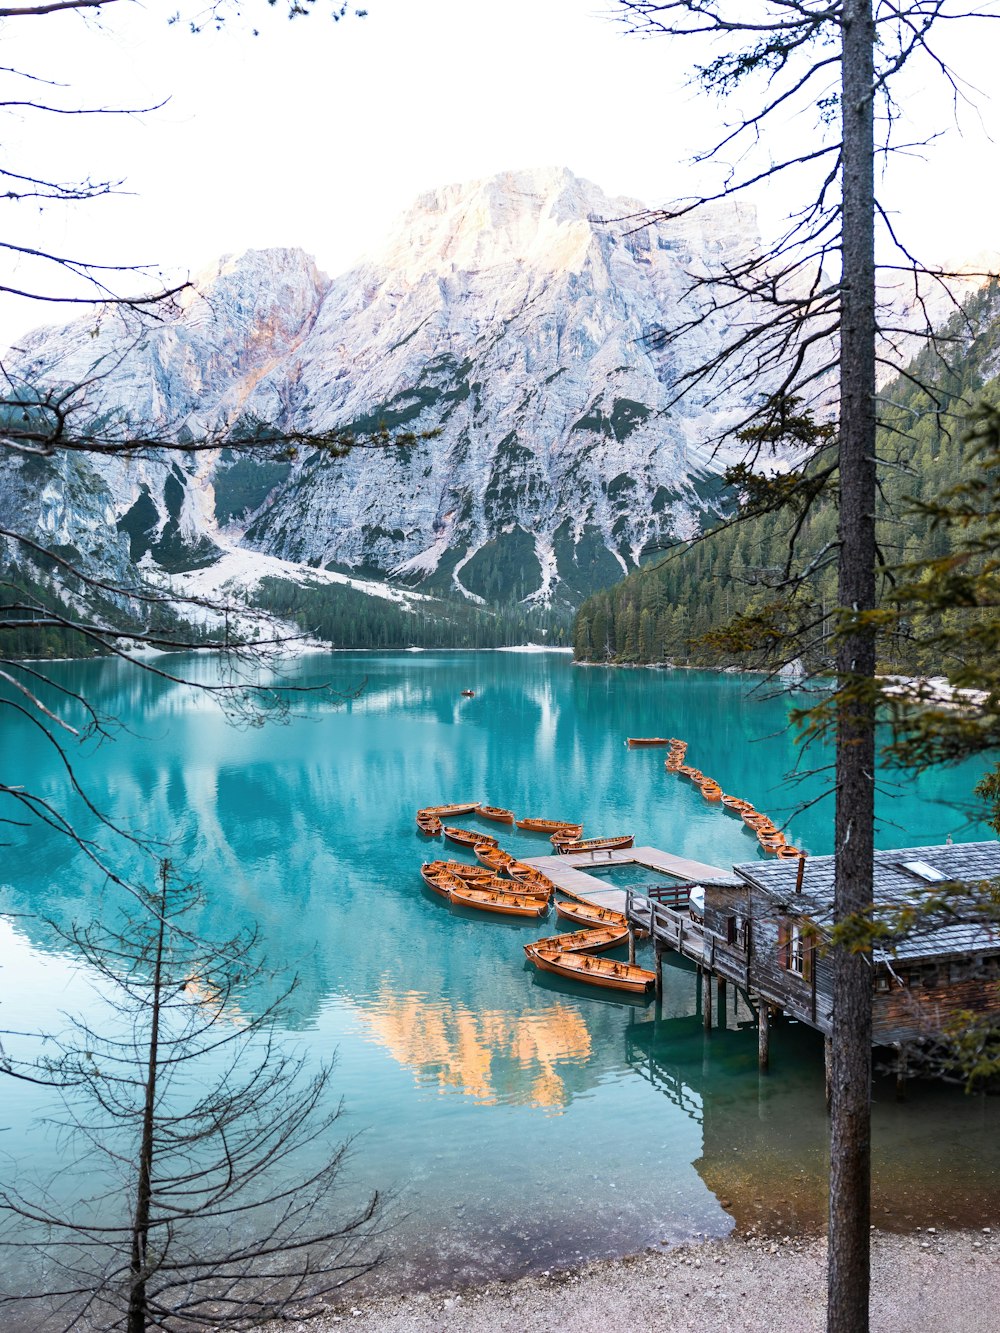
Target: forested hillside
662,611
345,618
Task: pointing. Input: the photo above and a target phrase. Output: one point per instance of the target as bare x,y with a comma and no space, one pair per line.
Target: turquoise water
520,1120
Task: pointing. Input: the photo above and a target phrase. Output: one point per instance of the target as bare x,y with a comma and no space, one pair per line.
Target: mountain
675,611
512,316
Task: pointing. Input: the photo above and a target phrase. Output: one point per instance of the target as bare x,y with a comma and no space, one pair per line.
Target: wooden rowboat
594,971
512,886
589,914
788,852
583,941
519,870
506,904
492,856
466,837
429,824
471,874
438,878
446,811
549,826
647,740
496,813
594,844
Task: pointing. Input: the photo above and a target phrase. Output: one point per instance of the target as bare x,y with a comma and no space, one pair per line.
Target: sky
318,135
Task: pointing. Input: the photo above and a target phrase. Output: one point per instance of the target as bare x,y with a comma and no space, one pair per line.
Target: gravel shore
923,1282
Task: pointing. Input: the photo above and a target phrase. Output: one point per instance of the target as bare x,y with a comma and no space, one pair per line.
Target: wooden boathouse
761,930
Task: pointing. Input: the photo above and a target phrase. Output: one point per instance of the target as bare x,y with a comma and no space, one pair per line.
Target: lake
522,1122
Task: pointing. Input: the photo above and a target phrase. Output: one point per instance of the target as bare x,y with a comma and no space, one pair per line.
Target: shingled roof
894,886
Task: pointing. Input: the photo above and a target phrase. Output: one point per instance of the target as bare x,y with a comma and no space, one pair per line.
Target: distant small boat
594,971
648,740
446,811
549,826
469,694
594,844
496,813
441,880
506,904
583,941
589,914
466,837
737,804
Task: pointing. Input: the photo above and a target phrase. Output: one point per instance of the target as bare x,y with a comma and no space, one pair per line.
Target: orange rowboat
429,824
589,914
583,941
594,971
471,874
648,740
515,889
496,813
446,811
594,844
442,881
529,875
466,837
550,826
506,904
788,852
492,856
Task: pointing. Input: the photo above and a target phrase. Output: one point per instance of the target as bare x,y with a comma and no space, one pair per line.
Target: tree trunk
850,1139
137,1304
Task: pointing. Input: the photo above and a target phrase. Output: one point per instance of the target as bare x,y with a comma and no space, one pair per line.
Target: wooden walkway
568,873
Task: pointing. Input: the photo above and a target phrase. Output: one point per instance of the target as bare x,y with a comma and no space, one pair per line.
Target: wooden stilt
658,952
828,1069
631,944
697,992
900,1072
722,1002
763,1036
707,1001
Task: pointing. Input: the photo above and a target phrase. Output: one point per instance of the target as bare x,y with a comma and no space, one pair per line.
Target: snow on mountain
515,317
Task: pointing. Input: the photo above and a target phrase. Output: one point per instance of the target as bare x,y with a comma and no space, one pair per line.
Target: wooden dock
569,873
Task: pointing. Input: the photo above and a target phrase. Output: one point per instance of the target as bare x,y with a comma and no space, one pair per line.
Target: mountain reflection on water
523,1121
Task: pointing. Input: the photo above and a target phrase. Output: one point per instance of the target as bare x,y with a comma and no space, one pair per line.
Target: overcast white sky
317,134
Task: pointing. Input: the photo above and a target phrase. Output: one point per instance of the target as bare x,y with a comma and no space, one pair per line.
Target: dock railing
663,912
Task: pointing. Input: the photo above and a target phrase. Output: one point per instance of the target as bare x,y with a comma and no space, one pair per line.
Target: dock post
828,1069
658,952
763,1035
707,1004
723,1019
631,943
697,991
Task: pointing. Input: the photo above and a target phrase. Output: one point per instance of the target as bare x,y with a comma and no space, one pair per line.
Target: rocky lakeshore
922,1282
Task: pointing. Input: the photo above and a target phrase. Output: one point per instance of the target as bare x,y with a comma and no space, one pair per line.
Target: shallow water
523,1121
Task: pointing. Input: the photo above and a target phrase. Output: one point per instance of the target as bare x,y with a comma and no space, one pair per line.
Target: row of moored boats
768,834
502,884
